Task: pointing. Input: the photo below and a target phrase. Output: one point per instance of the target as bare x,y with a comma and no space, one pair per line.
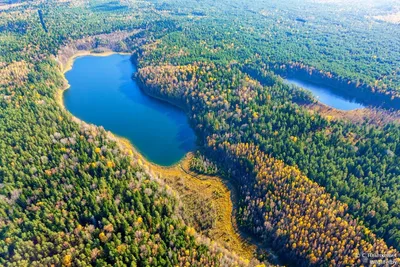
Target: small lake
326,95
102,92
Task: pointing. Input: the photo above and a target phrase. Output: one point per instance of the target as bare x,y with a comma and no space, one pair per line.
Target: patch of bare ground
377,117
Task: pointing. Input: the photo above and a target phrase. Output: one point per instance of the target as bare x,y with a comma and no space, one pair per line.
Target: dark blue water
327,96
102,92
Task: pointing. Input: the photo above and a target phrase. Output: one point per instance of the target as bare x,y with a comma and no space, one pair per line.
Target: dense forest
69,195
319,191
226,113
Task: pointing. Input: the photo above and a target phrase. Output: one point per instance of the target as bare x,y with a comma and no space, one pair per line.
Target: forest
320,191
224,116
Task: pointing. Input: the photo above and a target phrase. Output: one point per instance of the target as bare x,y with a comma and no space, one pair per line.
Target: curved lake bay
102,92
326,95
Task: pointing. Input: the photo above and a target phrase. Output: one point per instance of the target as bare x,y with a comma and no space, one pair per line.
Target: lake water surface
102,92
326,95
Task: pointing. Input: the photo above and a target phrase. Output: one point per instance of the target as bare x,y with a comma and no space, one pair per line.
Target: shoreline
70,62
64,68
60,96
224,233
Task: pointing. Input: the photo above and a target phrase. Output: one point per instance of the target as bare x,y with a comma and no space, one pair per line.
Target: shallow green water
103,93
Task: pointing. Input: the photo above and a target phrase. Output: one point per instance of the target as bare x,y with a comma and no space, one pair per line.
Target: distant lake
326,95
102,92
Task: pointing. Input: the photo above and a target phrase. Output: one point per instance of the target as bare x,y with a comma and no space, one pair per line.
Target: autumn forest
277,178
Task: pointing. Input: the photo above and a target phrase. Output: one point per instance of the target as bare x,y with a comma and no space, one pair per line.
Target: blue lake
327,96
102,92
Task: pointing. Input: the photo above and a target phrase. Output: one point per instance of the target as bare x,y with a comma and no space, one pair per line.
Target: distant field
4,5
391,18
